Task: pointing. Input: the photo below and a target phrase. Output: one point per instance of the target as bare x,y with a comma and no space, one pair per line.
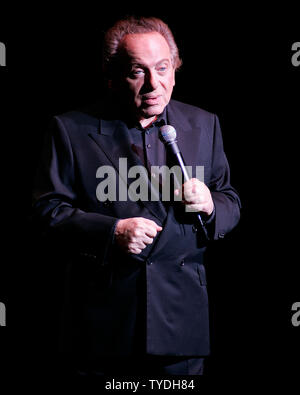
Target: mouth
151,100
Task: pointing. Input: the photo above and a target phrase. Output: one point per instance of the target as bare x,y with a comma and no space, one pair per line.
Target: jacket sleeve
226,200
57,211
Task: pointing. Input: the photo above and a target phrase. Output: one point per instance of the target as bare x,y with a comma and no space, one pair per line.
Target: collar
160,120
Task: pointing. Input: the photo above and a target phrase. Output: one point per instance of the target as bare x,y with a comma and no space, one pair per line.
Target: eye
136,72
162,69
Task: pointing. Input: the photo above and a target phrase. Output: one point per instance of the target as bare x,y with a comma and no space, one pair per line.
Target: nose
151,80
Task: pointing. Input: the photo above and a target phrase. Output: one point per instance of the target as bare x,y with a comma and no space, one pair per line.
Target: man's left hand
196,196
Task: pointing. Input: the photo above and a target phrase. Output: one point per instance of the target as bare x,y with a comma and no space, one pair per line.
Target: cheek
134,86
169,86
172,80
169,82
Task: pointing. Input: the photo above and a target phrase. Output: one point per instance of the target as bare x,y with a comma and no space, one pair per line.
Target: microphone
168,137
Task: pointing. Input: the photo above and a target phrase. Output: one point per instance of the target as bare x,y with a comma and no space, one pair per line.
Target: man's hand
134,234
196,196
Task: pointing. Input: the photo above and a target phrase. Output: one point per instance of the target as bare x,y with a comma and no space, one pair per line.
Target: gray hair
134,25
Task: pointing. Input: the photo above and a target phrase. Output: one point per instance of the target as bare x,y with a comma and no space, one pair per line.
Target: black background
236,63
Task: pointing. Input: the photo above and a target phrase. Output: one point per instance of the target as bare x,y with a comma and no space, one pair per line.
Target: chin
152,111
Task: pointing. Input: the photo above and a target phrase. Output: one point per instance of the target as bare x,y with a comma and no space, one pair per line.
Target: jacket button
182,262
149,262
221,235
194,228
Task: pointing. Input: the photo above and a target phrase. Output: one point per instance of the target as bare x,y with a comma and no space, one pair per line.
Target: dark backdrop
236,63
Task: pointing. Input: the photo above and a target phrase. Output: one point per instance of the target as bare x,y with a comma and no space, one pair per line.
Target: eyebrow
137,63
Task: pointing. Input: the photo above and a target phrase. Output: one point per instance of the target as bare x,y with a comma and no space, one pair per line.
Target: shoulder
190,116
83,119
188,109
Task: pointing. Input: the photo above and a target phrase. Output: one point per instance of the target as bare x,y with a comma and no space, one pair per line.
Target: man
137,300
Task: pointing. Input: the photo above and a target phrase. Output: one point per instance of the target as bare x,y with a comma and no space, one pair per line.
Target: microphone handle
175,150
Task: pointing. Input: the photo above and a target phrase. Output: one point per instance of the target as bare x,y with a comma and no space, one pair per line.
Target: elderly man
136,299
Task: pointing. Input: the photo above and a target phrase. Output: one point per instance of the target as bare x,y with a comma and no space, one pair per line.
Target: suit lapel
114,141
182,126
177,120
186,136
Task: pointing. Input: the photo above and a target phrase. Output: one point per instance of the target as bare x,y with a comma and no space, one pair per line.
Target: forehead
145,47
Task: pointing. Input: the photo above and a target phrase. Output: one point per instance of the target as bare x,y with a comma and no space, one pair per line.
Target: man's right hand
134,234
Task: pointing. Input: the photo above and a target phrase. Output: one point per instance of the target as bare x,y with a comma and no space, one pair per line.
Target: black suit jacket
111,293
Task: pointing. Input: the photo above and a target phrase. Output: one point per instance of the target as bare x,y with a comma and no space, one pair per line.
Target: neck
118,108
147,122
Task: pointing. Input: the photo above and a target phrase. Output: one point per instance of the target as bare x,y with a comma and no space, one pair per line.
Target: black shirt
147,145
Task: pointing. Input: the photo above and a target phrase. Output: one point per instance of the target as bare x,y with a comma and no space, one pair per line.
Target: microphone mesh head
167,133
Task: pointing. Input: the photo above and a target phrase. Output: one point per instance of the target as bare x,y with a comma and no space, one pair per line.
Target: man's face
149,75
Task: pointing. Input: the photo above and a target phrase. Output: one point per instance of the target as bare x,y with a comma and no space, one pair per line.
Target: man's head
140,59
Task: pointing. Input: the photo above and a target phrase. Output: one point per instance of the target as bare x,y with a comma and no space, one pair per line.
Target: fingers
134,234
194,189
194,199
193,192
152,229
195,207
135,251
196,196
